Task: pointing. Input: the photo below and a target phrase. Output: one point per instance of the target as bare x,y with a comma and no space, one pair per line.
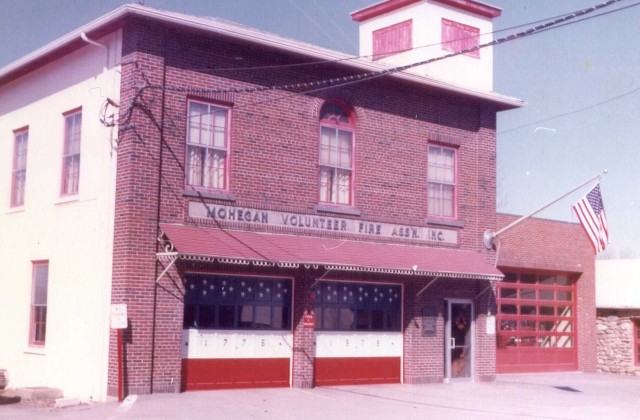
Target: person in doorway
459,331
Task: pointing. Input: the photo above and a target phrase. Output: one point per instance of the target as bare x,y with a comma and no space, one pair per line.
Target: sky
579,83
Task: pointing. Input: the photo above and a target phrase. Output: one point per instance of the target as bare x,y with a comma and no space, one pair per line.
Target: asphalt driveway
540,396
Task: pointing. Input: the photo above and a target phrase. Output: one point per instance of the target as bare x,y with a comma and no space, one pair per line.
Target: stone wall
616,341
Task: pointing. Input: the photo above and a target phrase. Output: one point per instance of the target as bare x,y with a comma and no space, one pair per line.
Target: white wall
218,344
74,234
358,344
427,17
618,283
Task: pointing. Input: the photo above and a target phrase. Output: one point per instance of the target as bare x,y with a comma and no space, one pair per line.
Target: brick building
271,213
546,302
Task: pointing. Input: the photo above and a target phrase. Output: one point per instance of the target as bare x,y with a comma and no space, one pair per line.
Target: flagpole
489,236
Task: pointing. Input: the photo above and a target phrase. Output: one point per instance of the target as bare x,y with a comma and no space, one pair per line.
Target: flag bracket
488,238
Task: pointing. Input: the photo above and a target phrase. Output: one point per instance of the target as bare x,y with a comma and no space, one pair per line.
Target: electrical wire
369,56
348,80
575,111
314,87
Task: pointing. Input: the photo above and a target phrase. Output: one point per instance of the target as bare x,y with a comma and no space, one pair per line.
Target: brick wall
553,246
424,356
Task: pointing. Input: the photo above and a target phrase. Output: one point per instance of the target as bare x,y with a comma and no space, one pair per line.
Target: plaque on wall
429,320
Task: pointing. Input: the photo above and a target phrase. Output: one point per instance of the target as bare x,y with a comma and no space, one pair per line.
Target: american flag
590,211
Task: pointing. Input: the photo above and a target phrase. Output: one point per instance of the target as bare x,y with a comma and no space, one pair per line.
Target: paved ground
541,396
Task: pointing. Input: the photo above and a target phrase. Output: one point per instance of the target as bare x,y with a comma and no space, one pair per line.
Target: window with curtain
336,155
207,146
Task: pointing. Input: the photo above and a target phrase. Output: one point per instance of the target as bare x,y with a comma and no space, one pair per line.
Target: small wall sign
119,316
429,321
309,320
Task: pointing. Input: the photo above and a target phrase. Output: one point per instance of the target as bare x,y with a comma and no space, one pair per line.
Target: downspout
86,39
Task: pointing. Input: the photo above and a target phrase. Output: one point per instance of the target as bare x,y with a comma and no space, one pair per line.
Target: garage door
358,333
237,332
536,323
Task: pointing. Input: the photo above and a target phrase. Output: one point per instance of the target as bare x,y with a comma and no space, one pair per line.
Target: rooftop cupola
402,32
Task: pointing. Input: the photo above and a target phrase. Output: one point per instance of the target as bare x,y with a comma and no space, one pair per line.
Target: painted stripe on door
204,374
356,370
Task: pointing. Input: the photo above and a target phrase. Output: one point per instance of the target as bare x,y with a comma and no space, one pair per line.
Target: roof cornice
388,6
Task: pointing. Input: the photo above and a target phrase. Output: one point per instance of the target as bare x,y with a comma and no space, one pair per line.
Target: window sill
326,208
216,195
37,351
67,199
12,210
445,222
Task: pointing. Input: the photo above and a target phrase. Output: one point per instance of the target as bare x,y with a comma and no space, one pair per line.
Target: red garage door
236,332
536,323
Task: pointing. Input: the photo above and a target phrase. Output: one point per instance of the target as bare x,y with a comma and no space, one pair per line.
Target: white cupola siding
403,32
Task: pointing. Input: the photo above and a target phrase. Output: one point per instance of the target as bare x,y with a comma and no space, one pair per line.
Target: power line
575,111
348,80
313,87
352,58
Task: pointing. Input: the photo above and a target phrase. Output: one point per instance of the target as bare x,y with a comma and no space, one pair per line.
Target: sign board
118,316
309,320
491,325
319,223
429,321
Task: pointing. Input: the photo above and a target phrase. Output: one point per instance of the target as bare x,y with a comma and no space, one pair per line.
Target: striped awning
206,244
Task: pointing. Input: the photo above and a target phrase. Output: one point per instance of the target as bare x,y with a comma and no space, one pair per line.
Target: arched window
336,154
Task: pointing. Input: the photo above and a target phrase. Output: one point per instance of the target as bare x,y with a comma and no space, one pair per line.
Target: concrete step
34,393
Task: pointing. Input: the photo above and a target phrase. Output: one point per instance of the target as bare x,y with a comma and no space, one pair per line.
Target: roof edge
387,6
10,72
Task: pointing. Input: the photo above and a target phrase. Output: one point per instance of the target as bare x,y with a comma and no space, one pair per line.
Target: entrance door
459,339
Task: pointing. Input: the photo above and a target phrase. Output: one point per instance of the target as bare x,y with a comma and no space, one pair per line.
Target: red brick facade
274,157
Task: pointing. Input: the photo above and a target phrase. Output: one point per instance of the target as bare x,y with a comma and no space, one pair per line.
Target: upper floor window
40,287
336,155
442,181
458,37
19,175
207,146
392,39
71,154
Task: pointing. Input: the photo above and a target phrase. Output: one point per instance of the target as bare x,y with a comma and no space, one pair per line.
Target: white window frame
19,172
336,160
207,142
39,292
441,178
70,184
